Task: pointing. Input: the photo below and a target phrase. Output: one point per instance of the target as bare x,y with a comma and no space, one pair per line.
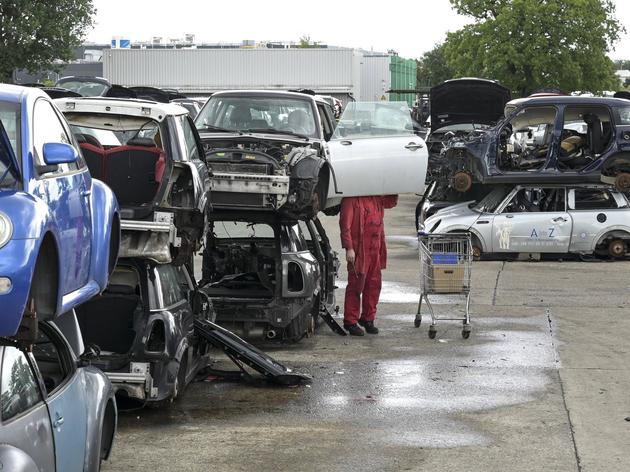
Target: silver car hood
459,214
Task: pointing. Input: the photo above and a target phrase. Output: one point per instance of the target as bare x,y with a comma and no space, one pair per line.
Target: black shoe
354,330
369,326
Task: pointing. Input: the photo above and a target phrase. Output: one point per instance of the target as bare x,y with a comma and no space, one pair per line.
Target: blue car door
67,402
66,189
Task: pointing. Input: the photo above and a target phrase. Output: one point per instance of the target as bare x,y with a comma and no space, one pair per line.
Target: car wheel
617,248
476,252
622,182
107,434
462,181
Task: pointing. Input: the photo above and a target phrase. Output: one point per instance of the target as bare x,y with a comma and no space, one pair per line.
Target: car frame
61,227
65,425
299,282
581,219
171,224
483,158
151,353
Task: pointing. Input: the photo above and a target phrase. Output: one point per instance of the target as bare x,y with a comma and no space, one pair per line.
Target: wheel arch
615,233
48,292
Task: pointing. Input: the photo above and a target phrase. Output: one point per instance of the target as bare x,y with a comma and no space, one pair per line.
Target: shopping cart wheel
417,322
465,334
432,332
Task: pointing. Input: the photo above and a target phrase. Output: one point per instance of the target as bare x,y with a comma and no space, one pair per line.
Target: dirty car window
374,119
623,115
19,386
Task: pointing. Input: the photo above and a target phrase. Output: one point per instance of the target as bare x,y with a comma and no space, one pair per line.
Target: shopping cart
445,267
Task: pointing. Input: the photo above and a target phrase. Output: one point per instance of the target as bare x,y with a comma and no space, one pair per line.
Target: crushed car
260,273
142,327
267,150
59,227
57,411
150,155
547,140
584,219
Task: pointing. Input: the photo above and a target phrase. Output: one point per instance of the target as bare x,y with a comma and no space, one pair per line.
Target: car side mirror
59,153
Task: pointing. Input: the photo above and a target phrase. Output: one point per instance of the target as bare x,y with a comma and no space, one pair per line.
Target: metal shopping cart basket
445,267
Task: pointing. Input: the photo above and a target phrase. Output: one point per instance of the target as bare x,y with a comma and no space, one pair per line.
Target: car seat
594,133
93,153
298,120
131,169
241,117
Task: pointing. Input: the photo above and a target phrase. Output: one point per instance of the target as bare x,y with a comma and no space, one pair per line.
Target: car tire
617,248
622,182
107,435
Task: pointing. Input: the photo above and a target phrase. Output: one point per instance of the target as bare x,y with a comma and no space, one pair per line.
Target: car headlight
6,229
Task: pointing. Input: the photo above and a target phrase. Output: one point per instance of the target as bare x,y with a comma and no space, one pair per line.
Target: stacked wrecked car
141,325
277,159
543,148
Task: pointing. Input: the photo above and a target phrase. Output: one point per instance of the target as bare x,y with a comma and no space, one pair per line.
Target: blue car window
48,128
18,387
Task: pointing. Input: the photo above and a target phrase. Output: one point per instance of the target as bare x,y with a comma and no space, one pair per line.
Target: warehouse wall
375,77
328,71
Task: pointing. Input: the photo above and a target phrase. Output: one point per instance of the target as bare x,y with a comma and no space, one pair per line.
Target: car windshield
85,88
244,113
374,119
490,202
10,120
462,127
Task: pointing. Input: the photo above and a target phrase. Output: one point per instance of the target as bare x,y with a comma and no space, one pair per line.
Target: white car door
534,220
375,152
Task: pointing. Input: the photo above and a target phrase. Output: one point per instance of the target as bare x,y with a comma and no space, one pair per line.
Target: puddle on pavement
420,396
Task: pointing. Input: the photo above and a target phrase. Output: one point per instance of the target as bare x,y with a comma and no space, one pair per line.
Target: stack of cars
544,154
59,239
277,159
150,155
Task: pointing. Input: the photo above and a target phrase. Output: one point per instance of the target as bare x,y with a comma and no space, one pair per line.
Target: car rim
617,248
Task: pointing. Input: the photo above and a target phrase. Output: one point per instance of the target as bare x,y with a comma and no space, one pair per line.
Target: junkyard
230,254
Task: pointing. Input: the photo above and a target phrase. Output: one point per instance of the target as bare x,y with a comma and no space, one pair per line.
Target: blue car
59,228
57,412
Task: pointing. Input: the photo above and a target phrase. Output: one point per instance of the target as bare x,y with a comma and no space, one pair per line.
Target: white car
541,219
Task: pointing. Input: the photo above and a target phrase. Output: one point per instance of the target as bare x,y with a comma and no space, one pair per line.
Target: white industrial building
341,72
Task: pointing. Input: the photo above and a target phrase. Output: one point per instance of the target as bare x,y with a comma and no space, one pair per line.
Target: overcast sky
410,27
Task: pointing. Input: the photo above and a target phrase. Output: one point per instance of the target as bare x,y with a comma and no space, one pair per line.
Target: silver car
57,413
541,219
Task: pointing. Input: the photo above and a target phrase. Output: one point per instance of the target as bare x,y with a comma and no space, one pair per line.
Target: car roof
568,100
17,94
265,93
120,106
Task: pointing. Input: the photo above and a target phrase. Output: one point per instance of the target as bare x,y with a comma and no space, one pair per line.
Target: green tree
530,44
35,33
433,68
305,42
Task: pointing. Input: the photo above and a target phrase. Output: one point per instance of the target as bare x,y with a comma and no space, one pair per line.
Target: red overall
361,224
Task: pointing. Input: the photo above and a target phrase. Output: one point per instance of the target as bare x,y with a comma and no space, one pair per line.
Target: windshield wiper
276,131
218,129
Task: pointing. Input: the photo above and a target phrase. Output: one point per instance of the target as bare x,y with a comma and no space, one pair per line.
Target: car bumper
17,262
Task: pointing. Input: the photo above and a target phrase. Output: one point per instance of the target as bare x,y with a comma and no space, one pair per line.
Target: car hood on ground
467,101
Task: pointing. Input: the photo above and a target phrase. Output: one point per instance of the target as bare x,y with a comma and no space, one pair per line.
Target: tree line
530,44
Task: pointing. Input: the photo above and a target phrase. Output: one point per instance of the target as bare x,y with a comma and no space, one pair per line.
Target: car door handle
559,219
58,420
509,216
413,146
345,143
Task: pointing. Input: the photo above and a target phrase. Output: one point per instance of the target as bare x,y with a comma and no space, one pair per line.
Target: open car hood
462,101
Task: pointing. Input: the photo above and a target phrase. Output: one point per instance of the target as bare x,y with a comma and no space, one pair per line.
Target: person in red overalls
363,237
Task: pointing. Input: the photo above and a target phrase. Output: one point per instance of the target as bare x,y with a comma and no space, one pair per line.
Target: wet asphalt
541,385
